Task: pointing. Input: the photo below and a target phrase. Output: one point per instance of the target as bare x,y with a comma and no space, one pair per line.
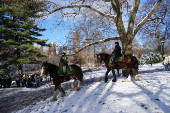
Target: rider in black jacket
116,53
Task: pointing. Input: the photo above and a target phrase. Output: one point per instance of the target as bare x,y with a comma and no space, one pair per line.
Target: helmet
63,52
117,43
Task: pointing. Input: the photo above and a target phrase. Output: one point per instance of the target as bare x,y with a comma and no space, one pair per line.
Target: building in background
42,51
76,41
36,45
52,49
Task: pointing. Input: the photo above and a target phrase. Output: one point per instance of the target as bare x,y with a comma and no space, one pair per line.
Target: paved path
14,99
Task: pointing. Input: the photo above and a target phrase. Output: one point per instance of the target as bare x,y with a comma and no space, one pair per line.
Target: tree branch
132,16
147,17
114,7
76,1
118,8
155,18
94,43
78,6
98,25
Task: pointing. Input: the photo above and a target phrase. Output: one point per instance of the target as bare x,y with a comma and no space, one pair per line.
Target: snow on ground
149,95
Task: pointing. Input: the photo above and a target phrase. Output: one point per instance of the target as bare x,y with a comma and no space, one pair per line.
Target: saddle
69,70
120,58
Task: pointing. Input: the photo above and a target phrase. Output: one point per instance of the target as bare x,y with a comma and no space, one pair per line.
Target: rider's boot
65,77
113,64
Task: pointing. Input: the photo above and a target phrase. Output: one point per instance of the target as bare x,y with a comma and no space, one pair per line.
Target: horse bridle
99,56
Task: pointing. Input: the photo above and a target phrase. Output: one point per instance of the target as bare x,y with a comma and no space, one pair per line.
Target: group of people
166,62
25,81
5,82
29,81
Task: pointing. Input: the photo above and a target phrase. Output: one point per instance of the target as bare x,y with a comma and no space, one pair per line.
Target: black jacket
117,51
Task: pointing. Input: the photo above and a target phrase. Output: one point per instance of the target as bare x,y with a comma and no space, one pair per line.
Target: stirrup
112,65
65,79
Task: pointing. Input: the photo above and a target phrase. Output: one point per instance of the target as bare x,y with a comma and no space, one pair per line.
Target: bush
145,58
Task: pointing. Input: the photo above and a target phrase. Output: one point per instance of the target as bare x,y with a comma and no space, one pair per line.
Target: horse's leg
74,83
129,77
61,91
106,75
54,98
136,74
79,85
114,75
136,77
117,71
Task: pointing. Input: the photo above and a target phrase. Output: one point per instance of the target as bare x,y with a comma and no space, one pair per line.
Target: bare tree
114,11
155,27
89,28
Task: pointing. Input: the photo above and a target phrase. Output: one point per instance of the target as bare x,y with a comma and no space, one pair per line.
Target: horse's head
45,68
99,58
102,57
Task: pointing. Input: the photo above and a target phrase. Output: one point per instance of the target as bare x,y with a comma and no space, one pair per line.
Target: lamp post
162,43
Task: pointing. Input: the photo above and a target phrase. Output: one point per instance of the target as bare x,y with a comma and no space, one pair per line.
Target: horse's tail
78,72
136,66
81,75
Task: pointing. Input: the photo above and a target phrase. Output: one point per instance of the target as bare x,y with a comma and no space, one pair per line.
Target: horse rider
64,64
116,53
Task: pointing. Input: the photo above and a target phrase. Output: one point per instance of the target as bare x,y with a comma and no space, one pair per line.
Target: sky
150,94
52,33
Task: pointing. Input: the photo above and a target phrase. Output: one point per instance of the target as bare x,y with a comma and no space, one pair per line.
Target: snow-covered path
150,94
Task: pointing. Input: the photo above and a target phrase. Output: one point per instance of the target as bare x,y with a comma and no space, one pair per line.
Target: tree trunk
19,70
158,36
19,65
127,49
127,45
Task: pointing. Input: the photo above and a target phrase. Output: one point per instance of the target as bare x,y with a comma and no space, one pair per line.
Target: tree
89,28
114,12
19,33
155,27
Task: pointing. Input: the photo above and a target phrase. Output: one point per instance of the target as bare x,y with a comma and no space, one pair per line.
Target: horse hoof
106,80
53,99
137,77
62,95
78,88
114,80
127,80
72,86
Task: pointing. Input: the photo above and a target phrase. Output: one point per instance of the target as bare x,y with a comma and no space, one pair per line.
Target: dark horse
130,62
52,69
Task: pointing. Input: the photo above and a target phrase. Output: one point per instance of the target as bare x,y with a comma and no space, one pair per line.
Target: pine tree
18,33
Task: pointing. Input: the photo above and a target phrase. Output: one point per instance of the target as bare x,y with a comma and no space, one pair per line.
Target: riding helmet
117,43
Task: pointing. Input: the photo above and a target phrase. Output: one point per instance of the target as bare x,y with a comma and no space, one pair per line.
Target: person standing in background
9,81
166,62
151,59
0,81
169,62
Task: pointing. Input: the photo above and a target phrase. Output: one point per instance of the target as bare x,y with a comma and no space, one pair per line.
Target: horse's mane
50,64
104,54
107,56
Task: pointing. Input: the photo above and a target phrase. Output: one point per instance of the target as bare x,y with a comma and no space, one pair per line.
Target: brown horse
130,62
52,69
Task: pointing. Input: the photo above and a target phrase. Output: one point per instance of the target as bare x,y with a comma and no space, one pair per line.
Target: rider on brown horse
64,64
116,53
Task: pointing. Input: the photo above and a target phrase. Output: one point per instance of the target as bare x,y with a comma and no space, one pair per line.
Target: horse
77,75
130,62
